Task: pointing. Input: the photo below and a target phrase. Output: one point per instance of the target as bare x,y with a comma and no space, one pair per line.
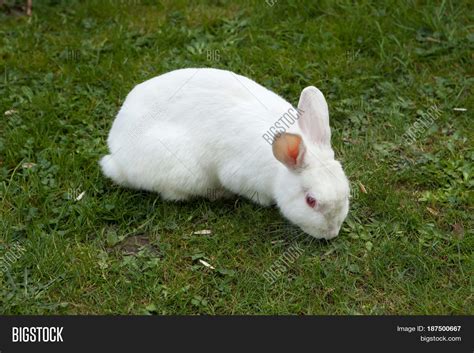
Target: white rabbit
206,132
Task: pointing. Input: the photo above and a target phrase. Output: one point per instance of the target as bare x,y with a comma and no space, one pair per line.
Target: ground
398,78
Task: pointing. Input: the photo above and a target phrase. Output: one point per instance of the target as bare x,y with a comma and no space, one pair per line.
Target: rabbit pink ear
289,150
314,119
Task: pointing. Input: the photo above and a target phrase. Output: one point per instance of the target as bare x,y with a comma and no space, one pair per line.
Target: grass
407,245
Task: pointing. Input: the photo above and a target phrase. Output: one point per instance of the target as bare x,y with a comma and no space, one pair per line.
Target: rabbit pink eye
311,201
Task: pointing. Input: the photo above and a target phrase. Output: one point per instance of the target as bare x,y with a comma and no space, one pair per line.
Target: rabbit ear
289,150
314,119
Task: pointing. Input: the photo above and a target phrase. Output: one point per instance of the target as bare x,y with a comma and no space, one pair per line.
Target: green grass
407,245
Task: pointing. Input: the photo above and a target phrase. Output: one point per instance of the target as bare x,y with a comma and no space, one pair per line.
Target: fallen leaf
458,230
207,264
203,232
11,112
362,188
432,211
431,39
133,244
28,165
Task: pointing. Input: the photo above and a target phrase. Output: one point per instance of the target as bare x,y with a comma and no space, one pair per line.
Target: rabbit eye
311,201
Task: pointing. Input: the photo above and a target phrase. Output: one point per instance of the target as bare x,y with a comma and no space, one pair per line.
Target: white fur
192,132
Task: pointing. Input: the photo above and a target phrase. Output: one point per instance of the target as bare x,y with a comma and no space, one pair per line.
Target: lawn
398,78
